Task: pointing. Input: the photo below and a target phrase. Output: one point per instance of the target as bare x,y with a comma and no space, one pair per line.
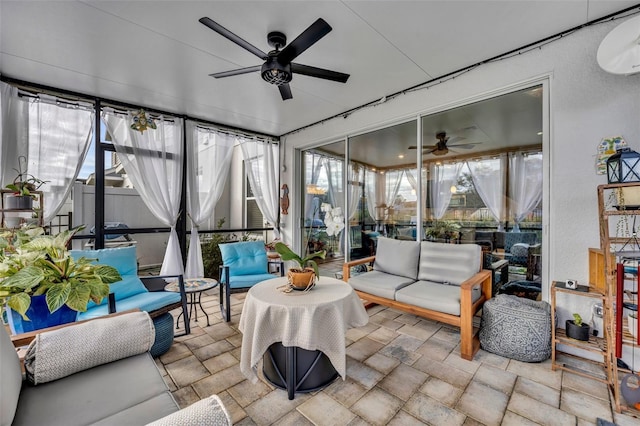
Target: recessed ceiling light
539,133
401,156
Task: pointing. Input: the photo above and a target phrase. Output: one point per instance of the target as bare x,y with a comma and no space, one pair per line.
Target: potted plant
302,278
23,187
443,230
41,283
576,329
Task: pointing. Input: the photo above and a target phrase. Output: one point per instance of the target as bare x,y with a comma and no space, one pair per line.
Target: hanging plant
141,122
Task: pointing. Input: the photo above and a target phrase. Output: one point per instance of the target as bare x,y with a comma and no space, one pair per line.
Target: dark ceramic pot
578,332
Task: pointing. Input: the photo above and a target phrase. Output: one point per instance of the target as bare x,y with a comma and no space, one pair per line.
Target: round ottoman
164,334
516,328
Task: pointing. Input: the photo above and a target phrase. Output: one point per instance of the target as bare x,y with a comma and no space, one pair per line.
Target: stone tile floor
401,370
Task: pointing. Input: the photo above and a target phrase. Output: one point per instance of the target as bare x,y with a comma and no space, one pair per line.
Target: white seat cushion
379,283
434,296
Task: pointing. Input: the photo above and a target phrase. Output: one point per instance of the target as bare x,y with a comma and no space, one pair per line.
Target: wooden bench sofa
439,281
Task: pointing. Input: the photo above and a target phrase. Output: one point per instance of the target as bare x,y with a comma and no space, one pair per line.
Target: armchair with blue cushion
133,292
244,264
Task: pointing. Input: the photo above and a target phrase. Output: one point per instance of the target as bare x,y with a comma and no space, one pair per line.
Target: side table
194,287
300,336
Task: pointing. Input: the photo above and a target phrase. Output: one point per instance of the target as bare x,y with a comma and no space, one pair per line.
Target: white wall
586,104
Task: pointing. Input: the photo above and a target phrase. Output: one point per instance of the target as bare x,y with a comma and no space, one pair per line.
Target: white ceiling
157,54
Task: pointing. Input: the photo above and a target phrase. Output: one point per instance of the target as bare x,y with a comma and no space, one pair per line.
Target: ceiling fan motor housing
274,72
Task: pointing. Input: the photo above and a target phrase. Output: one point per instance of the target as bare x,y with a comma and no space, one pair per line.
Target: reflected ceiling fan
278,67
444,143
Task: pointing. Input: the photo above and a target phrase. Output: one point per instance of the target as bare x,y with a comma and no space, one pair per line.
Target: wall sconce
623,166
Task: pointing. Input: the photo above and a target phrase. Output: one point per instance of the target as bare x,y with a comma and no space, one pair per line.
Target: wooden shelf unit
623,245
22,216
595,345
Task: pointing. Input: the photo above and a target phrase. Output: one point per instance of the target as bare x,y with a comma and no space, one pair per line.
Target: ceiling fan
278,67
443,144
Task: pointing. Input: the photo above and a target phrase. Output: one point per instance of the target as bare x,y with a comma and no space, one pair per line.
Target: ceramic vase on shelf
578,332
19,202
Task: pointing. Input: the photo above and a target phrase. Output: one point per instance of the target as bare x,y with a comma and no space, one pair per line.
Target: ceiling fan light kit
278,68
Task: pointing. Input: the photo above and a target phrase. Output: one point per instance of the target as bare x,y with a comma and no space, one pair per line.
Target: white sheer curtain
525,185
59,138
209,155
14,131
443,176
262,166
372,192
153,161
489,180
354,176
392,180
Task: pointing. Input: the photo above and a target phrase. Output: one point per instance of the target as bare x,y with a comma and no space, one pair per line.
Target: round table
299,335
193,287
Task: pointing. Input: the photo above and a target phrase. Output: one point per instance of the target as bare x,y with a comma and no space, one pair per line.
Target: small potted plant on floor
302,278
576,329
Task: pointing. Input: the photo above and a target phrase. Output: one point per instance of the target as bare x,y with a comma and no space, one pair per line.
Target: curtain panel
443,176
14,131
489,180
153,161
525,185
59,138
209,153
52,136
262,168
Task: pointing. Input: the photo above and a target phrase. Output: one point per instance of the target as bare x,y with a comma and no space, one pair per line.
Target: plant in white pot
39,277
302,278
23,186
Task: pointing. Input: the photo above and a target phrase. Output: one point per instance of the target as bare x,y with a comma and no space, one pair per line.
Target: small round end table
193,287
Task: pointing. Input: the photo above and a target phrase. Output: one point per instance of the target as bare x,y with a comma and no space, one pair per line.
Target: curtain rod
458,72
26,85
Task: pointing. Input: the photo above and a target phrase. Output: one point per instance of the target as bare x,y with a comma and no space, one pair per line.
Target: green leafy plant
577,320
24,183
287,254
443,229
33,264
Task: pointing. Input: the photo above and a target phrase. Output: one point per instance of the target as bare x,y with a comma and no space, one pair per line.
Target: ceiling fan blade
319,73
232,37
306,39
236,72
431,147
464,145
455,139
285,91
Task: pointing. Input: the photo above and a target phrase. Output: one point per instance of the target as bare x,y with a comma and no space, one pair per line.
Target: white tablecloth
314,320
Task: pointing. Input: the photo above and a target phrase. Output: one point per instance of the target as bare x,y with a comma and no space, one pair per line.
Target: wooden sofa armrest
24,339
346,267
484,279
